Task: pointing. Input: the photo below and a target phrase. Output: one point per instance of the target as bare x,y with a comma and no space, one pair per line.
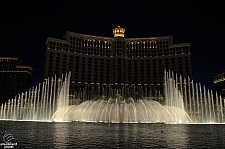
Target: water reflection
176,136
212,136
101,135
61,135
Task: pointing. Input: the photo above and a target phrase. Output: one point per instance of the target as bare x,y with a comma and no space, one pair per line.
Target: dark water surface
48,135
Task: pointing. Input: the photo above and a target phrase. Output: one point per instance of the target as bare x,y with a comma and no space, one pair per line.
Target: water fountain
39,103
184,102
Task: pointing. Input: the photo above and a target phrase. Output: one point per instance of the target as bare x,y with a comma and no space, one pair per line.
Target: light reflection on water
100,135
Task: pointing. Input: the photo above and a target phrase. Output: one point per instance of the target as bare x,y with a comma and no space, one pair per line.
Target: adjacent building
14,77
219,83
117,60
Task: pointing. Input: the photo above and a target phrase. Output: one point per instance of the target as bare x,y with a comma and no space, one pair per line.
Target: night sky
26,26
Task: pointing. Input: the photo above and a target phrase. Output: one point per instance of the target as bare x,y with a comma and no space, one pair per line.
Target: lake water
46,135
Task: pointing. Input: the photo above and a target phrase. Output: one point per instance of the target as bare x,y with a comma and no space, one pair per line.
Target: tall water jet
182,101
119,109
37,104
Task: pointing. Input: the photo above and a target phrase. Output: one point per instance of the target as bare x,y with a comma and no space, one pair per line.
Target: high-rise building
219,83
117,60
14,77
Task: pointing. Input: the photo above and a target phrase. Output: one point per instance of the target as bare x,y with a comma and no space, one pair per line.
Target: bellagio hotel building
117,60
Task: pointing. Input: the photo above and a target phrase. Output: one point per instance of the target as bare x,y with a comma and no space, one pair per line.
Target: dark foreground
101,135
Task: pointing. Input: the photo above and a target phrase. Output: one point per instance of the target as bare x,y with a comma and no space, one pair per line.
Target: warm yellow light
118,32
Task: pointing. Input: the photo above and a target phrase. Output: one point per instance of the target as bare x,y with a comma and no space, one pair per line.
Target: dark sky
26,26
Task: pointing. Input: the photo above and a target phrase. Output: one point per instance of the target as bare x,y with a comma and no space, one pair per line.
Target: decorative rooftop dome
118,32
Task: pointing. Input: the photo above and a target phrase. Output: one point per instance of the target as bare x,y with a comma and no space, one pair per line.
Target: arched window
93,44
153,44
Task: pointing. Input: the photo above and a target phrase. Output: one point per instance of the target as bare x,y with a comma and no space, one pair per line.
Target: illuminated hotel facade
14,77
219,83
117,60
